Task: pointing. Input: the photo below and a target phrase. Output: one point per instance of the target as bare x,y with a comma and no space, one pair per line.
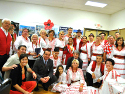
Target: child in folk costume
56,59
61,85
96,48
83,48
60,42
68,51
118,55
76,80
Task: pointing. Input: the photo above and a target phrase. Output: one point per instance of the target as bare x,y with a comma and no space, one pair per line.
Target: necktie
45,63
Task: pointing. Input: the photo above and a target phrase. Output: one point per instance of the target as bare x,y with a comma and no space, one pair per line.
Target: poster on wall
38,28
65,29
31,29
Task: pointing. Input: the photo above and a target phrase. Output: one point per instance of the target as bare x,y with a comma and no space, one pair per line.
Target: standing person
19,83
14,26
96,49
52,39
43,41
108,48
60,85
77,40
56,59
12,42
69,49
95,72
13,60
91,39
22,40
60,42
5,42
118,55
103,41
43,67
117,34
76,80
83,48
31,50
68,35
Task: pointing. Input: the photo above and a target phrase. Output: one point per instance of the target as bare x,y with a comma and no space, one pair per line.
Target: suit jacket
43,70
69,62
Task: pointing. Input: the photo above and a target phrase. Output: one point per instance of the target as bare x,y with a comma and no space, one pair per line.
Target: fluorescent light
95,4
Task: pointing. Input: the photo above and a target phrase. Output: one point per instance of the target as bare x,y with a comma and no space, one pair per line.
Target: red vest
94,66
4,42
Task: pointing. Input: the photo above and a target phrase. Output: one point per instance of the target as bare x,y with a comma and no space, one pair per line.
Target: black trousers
90,80
31,63
3,59
46,85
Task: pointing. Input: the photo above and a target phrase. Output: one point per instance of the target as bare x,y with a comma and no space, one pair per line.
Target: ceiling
112,7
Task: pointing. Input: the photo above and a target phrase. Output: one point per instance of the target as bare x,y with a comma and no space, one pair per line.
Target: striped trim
118,69
120,63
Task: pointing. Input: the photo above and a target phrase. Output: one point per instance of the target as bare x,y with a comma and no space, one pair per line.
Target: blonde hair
34,35
61,32
75,60
42,31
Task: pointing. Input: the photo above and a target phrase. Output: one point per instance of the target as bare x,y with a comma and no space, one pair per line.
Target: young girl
61,85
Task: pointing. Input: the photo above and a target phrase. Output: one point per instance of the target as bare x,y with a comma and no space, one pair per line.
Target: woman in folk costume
118,55
83,49
22,40
60,42
43,41
61,85
31,50
69,48
103,41
96,49
66,37
56,59
76,80
52,39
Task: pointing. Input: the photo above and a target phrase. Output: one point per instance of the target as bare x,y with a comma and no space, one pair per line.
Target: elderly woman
33,45
118,55
43,40
52,39
60,42
18,76
76,80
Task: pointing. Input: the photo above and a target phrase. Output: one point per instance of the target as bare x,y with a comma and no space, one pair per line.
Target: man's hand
93,76
13,66
34,75
33,53
98,80
46,78
43,80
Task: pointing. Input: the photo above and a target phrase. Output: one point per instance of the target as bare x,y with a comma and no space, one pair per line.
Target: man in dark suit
43,67
75,56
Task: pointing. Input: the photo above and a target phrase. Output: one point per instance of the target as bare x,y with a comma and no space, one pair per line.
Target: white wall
30,14
117,20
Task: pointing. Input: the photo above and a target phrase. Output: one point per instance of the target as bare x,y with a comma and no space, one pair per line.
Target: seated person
75,56
43,67
18,76
76,80
60,85
95,71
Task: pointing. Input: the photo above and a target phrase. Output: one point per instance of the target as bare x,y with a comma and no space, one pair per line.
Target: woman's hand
27,92
33,53
80,89
93,76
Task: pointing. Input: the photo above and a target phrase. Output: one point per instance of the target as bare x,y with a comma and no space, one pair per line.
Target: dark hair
47,50
22,56
21,46
69,28
25,29
99,56
102,33
117,32
116,44
56,49
85,36
51,31
57,71
111,60
70,37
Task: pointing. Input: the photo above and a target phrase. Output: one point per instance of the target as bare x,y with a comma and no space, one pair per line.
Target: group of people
70,63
